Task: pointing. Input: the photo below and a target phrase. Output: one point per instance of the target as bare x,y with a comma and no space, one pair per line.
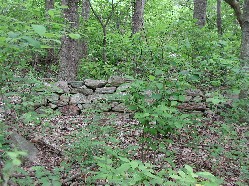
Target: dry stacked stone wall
75,97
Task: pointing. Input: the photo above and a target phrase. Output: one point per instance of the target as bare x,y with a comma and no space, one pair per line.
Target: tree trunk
235,5
50,57
69,54
244,55
85,9
245,36
49,4
85,14
138,16
219,20
200,8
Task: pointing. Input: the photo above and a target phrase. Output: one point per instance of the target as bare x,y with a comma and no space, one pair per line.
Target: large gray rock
2,111
101,107
123,88
78,99
70,110
53,98
24,145
105,90
197,99
118,96
76,84
93,84
195,92
64,100
119,107
98,97
52,106
84,90
63,87
116,81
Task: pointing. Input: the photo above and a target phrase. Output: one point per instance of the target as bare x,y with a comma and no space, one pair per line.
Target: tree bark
219,20
245,36
138,16
200,8
50,58
49,4
69,54
235,5
85,14
85,9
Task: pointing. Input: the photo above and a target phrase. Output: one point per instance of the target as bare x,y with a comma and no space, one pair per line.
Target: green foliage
47,178
11,165
122,171
155,101
170,55
187,177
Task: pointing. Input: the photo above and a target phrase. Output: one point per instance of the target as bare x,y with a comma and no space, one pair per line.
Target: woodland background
169,50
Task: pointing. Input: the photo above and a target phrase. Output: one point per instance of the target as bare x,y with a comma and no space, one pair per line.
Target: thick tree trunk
138,16
85,15
245,36
69,55
85,9
219,20
245,45
200,8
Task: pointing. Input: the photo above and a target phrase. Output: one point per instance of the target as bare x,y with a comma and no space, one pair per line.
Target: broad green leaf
175,177
207,175
124,159
173,103
17,162
133,164
152,78
156,96
46,46
159,86
39,29
32,41
48,35
74,36
190,171
123,168
13,34
181,98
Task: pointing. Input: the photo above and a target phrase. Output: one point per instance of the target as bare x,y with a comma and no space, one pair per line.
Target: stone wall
75,97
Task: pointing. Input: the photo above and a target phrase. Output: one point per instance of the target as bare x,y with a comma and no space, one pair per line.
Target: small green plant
155,104
187,177
45,177
10,165
122,171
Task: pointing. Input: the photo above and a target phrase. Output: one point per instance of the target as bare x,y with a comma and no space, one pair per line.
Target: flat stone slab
116,81
106,90
24,145
93,84
84,90
76,84
78,99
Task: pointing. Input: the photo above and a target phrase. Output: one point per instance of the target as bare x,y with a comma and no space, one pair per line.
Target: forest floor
207,145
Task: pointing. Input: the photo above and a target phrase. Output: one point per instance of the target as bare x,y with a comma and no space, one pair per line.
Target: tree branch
234,4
